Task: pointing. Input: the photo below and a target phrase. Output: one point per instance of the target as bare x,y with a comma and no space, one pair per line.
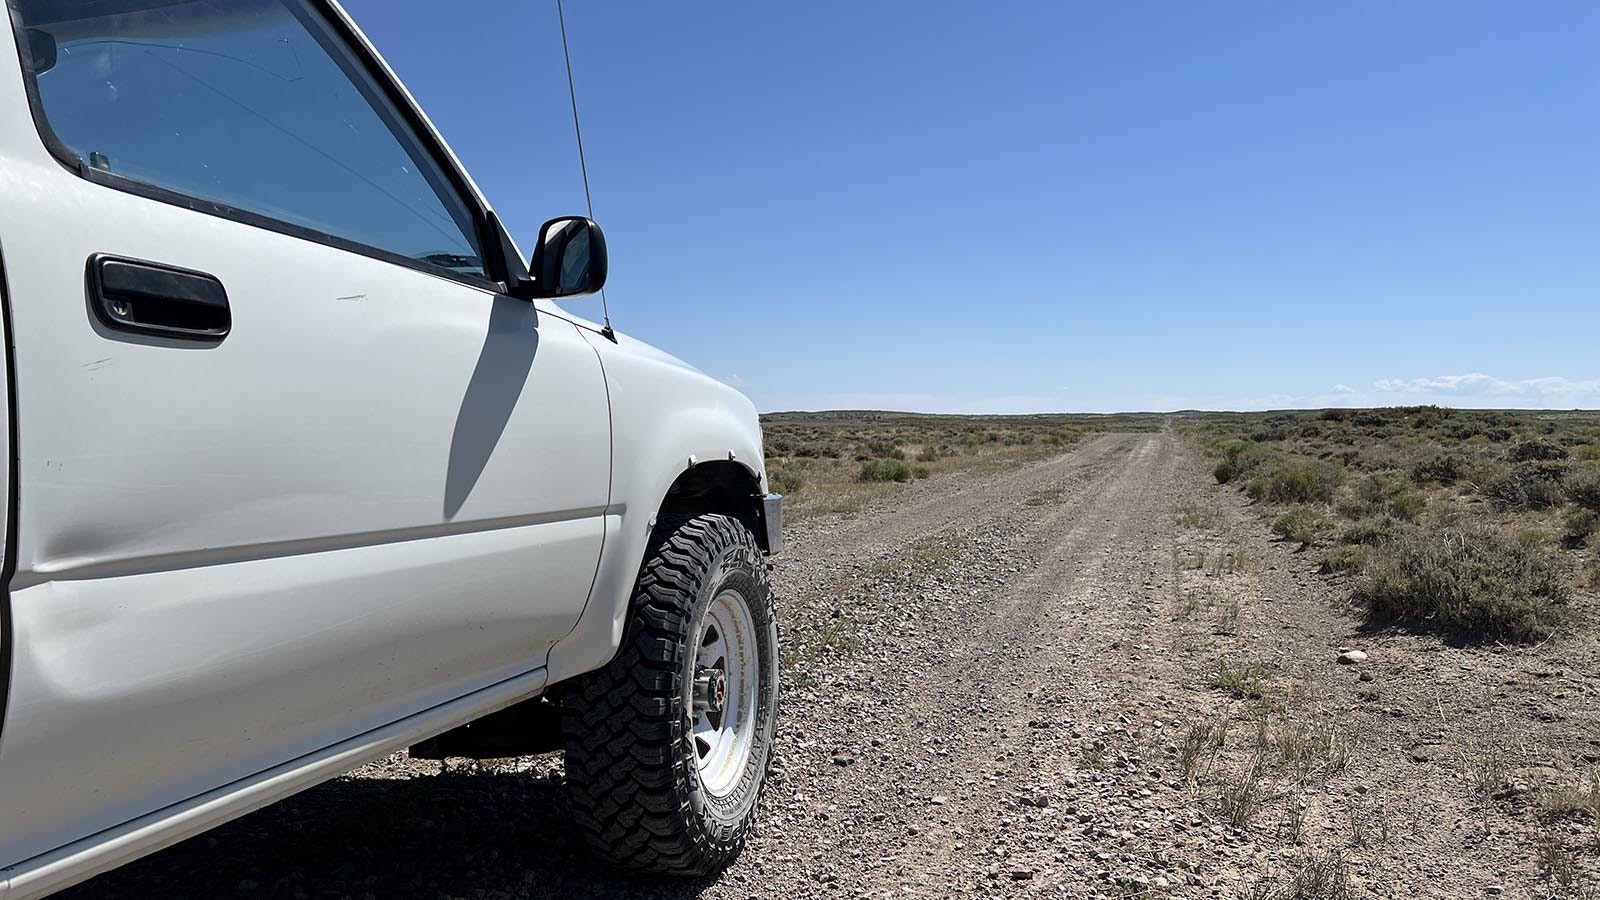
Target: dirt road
1009,686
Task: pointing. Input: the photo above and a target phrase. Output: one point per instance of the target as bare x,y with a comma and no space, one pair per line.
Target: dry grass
1581,800
1321,878
1241,798
1201,744
1560,867
1244,681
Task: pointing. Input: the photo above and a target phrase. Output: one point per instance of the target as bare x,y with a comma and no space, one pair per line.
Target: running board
530,728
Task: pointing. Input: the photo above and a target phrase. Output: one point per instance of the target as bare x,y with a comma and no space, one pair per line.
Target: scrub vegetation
835,462
1478,523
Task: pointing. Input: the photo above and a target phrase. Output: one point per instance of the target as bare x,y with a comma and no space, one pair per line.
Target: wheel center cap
710,690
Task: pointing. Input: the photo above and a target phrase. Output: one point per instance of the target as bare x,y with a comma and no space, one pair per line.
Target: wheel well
719,486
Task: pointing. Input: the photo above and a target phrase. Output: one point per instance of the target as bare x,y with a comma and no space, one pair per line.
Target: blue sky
1041,206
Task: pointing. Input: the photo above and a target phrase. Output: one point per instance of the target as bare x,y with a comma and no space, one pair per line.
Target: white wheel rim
722,740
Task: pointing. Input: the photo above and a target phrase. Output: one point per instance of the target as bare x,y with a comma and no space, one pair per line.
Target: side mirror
570,258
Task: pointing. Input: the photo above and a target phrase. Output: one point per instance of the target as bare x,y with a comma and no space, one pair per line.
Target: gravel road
991,682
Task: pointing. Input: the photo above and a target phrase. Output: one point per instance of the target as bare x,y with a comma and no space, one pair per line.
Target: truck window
251,104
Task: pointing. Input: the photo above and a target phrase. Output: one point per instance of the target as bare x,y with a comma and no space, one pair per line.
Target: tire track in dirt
932,508
913,805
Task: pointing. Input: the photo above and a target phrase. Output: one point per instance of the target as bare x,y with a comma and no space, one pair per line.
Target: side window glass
252,104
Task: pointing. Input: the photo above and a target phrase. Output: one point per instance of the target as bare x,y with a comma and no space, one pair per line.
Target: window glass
248,103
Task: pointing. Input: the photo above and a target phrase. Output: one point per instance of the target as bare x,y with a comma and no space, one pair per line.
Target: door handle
162,301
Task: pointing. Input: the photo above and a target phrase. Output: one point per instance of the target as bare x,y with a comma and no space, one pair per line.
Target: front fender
665,419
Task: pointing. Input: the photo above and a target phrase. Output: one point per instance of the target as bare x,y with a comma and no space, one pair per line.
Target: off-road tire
632,777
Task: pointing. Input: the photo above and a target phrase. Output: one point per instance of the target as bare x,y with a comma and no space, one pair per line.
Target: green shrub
1534,449
888,470
1240,458
785,480
1582,487
1529,485
1383,494
885,449
1256,488
1225,471
1303,524
1307,483
1479,582
1347,559
1442,468
1370,531
1586,452
1582,523
1407,505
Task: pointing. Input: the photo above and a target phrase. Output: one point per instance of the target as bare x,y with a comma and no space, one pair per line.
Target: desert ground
1297,656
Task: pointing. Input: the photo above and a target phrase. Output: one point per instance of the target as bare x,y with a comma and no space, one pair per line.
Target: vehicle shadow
463,833
509,347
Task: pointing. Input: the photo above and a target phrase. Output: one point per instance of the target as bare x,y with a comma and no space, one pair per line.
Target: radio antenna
583,165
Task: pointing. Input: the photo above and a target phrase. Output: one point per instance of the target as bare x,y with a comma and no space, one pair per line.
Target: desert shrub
885,449
1529,485
1383,495
1272,431
1586,452
1533,449
1303,483
887,470
1371,530
1305,525
1240,458
1582,486
785,479
1229,467
818,451
1256,488
1480,582
1226,471
1345,559
1442,468
1407,505
928,454
1581,525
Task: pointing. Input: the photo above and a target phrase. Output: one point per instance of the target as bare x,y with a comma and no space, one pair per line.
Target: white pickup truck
306,466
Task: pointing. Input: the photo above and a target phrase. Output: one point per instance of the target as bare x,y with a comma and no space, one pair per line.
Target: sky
1014,207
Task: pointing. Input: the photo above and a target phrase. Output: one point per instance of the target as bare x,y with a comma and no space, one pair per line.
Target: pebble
1350,657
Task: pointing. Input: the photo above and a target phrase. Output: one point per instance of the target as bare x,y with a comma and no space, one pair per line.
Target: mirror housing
569,260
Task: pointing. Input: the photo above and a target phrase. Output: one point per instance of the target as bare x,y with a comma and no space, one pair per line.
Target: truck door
290,467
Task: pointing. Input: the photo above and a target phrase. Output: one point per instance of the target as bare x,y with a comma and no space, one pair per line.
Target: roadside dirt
1090,677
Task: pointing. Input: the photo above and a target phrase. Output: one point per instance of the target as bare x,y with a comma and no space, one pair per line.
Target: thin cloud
1479,389
1472,390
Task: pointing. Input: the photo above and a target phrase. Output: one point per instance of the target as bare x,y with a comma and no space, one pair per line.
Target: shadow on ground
458,834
